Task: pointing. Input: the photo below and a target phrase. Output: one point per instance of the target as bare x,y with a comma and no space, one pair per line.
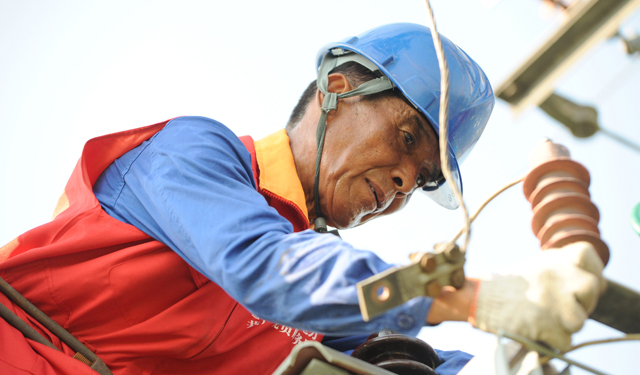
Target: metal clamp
425,276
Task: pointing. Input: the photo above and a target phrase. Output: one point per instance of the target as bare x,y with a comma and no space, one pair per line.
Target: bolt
457,278
453,254
433,289
428,262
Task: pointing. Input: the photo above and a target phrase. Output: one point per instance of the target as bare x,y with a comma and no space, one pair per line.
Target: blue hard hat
404,53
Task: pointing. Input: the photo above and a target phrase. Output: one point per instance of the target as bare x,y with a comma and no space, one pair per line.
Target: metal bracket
425,276
586,24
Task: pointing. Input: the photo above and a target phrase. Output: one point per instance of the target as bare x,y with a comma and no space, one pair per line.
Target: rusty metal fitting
428,262
433,289
452,253
458,278
558,190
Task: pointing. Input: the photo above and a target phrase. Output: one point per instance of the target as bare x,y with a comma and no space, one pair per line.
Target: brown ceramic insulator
566,223
555,168
556,206
566,238
546,151
557,188
557,185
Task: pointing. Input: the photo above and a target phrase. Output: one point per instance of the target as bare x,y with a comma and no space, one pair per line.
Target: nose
404,177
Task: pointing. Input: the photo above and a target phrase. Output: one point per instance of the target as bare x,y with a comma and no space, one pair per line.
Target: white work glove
547,298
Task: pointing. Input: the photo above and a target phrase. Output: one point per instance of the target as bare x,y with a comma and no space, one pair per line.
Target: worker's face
375,155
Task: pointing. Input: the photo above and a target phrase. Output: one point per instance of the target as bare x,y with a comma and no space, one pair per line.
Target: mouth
376,193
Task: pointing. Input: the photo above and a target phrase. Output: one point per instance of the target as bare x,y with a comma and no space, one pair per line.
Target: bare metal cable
532,345
620,78
443,122
629,337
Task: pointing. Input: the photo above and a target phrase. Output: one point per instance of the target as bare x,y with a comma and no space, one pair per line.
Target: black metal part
581,120
22,326
406,367
51,325
398,353
100,367
619,308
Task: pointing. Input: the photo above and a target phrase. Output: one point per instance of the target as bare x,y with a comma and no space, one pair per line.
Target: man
178,248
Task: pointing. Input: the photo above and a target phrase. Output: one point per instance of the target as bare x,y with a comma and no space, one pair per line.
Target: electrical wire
620,78
443,123
484,204
629,337
547,352
610,88
620,139
445,165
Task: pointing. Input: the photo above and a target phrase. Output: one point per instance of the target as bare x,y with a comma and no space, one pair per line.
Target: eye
421,180
408,138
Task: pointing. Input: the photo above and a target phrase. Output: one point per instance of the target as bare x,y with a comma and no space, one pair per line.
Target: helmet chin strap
330,102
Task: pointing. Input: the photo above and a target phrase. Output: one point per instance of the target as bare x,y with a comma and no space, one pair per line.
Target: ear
338,83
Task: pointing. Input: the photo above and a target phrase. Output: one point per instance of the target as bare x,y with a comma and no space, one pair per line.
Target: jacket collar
278,170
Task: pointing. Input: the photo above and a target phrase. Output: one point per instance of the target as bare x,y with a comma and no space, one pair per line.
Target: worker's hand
547,298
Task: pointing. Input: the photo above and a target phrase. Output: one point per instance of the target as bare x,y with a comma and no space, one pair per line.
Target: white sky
70,71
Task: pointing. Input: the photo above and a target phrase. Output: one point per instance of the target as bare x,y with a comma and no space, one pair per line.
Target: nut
457,278
433,288
428,262
453,254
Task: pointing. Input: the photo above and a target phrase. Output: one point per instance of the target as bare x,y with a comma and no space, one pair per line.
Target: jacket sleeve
191,187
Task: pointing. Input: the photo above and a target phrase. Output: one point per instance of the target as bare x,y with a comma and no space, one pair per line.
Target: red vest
129,298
